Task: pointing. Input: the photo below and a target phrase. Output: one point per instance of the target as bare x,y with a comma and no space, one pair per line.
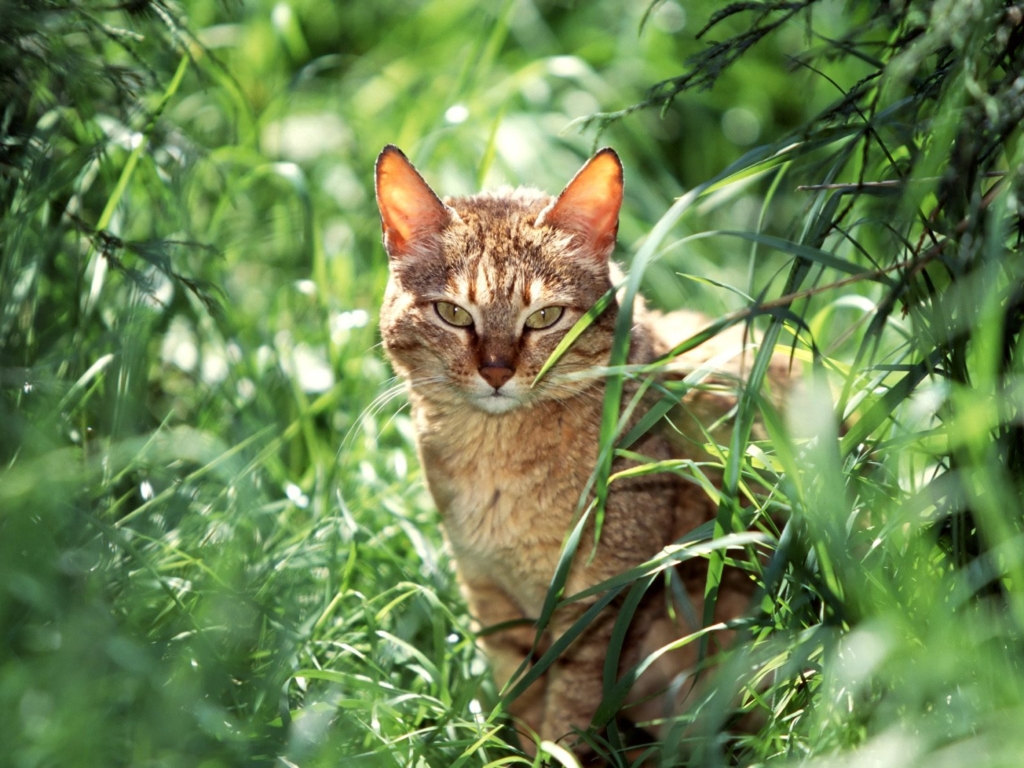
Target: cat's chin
496,403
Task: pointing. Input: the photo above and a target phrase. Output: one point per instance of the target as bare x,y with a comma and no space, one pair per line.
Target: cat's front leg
575,681
491,606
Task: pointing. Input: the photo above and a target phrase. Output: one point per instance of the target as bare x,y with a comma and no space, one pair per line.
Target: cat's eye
453,314
544,318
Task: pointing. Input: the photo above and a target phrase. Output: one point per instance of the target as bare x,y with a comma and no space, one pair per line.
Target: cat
481,291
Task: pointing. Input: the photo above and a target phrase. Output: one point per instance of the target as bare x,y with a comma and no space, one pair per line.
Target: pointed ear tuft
589,205
410,212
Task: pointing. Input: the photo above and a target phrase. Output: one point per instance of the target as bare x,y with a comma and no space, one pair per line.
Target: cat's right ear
410,213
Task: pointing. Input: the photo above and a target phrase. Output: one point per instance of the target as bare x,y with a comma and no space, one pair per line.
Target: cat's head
483,288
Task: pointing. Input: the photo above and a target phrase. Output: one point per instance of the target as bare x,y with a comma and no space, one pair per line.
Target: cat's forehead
499,218
495,250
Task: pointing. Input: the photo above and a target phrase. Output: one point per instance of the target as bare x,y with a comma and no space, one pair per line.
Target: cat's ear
590,204
410,213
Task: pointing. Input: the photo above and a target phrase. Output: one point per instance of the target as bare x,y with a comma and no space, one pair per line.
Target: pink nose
496,375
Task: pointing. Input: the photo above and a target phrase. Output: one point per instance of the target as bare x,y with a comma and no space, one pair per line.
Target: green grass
215,547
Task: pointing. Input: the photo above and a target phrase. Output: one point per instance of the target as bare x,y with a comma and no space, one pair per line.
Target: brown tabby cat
482,289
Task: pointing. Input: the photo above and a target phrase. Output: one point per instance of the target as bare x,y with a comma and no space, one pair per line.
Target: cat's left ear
590,204
411,214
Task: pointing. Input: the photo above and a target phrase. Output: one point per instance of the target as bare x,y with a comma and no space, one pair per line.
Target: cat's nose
497,373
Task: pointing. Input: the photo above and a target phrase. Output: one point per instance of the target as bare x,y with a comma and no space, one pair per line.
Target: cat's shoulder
729,353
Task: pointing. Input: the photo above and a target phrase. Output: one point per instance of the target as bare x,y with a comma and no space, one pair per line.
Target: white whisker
375,407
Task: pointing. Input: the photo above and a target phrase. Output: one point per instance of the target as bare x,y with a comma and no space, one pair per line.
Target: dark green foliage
914,173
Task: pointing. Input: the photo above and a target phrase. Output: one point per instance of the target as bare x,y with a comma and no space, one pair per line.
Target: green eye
544,318
453,315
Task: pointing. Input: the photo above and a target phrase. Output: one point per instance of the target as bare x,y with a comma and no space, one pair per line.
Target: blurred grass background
214,546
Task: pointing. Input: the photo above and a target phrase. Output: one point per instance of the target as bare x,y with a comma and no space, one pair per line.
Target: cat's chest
507,490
